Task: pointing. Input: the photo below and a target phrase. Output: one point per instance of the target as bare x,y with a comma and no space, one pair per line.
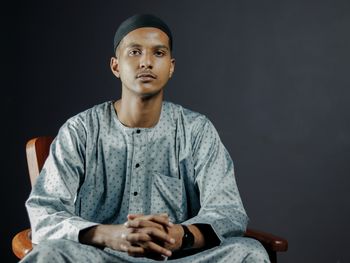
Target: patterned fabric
98,171
232,250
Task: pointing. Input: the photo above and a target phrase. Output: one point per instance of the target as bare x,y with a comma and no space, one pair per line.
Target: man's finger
158,234
138,237
144,240
160,219
151,246
133,216
137,250
136,223
163,214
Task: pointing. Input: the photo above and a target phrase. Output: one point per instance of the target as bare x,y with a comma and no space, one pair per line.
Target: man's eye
134,52
160,53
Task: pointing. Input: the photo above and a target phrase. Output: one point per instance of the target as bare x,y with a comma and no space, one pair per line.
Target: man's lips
146,76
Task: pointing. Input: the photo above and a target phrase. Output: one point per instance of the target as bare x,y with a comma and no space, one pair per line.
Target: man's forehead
147,36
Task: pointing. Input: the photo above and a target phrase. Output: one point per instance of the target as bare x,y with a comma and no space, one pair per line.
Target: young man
139,178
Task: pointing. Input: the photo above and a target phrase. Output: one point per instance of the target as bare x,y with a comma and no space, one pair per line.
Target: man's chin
147,93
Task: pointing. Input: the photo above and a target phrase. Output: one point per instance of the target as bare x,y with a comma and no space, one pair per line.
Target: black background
273,77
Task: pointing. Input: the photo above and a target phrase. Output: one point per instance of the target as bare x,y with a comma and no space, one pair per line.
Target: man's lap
234,249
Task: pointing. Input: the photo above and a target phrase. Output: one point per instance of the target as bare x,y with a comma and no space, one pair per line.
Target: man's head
139,21
143,58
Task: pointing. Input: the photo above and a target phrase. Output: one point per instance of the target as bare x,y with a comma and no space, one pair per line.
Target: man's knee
255,251
48,251
247,250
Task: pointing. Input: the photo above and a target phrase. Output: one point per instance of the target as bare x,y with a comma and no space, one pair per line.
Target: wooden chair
37,150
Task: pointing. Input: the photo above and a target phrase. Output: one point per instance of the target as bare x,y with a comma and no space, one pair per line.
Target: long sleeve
220,202
51,204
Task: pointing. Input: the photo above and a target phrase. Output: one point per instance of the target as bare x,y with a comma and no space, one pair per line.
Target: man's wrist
176,232
91,235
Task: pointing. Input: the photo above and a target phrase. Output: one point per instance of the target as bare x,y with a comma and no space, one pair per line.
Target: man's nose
146,61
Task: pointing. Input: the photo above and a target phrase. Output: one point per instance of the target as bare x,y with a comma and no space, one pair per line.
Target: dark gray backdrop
273,76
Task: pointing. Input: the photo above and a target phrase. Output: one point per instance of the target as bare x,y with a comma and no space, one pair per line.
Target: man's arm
221,208
51,204
141,236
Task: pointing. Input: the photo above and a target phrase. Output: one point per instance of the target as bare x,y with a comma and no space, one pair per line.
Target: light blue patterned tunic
99,171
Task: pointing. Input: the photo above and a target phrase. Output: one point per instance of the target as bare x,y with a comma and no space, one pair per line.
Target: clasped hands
151,236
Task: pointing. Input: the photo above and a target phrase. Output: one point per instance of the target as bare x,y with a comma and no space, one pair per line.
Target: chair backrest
37,150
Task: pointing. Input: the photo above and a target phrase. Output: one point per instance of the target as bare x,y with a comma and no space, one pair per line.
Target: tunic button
137,165
138,131
135,193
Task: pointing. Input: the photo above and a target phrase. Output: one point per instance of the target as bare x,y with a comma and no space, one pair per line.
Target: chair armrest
22,244
269,241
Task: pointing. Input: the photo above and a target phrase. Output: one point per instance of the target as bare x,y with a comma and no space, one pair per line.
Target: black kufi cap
138,21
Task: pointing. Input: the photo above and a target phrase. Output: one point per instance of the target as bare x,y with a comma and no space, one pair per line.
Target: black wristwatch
187,239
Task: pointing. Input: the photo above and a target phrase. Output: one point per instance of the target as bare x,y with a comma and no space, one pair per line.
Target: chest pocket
168,196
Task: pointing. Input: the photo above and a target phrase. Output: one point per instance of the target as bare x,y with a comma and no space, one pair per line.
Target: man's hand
148,236
161,222
143,237
174,231
152,236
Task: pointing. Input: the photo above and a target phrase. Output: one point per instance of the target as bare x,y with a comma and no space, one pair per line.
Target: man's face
144,62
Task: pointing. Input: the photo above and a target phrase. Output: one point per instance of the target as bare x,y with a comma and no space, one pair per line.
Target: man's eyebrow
161,47
133,45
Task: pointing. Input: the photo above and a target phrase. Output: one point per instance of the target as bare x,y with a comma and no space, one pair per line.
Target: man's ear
115,66
172,67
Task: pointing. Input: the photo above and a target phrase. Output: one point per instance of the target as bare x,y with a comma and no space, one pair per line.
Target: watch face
188,238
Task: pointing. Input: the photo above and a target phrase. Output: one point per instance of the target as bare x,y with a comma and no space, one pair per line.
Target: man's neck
139,112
